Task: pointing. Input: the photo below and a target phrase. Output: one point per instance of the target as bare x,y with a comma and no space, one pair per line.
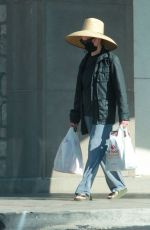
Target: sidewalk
59,211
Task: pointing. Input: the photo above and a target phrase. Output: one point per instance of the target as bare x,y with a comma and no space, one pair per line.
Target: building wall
3,89
41,74
142,83
24,163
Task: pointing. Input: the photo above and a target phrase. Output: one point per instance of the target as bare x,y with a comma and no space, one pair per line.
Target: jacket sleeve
75,113
120,90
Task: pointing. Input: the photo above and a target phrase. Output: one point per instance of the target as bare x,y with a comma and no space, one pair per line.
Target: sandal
117,194
81,197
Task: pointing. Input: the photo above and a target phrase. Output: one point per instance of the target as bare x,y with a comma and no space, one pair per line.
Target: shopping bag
120,154
69,155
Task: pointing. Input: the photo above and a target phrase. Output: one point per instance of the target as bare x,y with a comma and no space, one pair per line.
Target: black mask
88,45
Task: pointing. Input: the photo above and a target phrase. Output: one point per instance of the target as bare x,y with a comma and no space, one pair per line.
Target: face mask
88,45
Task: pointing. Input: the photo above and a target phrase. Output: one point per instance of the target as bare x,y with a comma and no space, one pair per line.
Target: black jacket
108,91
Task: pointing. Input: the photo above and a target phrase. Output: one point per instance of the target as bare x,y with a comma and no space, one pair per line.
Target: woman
100,89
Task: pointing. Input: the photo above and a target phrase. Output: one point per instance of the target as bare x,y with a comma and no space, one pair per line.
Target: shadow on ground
61,196
69,196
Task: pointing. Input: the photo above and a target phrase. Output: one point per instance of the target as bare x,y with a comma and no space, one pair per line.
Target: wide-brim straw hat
92,27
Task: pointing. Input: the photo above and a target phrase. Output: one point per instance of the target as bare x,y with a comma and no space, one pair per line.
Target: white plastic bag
69,156
120,154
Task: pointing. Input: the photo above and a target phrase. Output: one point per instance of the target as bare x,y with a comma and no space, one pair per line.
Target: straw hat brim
74,39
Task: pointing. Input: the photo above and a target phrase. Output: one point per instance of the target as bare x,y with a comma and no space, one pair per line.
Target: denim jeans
99,134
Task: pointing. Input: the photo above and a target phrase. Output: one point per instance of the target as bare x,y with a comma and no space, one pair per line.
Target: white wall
141,17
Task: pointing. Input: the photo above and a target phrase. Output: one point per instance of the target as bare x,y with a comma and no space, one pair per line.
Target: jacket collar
103,55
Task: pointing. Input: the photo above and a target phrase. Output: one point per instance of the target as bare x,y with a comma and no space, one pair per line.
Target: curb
70,220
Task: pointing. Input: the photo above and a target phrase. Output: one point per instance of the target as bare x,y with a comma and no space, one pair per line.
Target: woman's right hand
75,126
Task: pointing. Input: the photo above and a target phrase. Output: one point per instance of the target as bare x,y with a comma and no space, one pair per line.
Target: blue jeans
96,156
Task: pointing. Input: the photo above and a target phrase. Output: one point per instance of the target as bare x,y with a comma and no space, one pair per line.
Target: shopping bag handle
123,129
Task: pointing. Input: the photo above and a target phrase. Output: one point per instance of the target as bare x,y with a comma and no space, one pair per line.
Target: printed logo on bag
113,151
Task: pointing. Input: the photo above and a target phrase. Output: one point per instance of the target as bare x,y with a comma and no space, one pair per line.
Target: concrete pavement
59,211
